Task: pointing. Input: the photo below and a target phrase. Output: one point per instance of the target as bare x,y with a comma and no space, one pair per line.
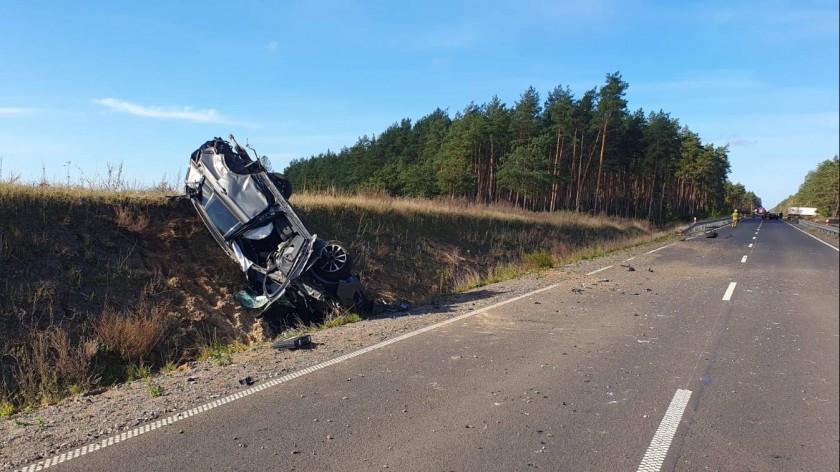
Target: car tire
334,262
282,184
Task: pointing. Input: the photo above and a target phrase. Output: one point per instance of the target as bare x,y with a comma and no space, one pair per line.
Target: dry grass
90,278
384,203
47,364
133,334
134,221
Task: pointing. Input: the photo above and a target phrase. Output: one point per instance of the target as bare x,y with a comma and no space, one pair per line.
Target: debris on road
246,381
295,342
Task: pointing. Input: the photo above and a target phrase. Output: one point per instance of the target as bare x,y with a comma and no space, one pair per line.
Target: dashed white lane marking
599,270
660,248
753,237
661,442
729,291
743,259
751,245
630,259
58,459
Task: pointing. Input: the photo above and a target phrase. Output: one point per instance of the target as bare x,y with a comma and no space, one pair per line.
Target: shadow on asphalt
400,309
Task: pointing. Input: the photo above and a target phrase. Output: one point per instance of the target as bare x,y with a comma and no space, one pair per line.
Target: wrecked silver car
246,210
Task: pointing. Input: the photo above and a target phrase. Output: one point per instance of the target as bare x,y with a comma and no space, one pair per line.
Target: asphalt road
712,354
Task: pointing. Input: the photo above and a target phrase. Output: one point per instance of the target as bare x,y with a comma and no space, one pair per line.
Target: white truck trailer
802,211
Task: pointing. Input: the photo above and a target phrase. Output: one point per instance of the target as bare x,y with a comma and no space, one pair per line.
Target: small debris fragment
295,342
246,381
630,269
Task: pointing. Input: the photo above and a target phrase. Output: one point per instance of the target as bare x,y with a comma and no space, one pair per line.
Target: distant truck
802,211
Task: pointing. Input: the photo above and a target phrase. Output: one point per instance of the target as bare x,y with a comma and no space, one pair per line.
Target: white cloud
14,111
162,113
738,141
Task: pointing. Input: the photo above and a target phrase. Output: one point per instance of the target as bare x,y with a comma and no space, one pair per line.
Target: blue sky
145,83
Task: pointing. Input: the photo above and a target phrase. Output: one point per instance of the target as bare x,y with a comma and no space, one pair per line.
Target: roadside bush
538,260
47,364
133,334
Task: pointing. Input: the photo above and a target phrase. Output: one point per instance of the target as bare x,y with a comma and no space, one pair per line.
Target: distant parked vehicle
801,211
245,208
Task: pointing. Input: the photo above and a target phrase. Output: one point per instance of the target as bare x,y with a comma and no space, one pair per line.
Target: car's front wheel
334,262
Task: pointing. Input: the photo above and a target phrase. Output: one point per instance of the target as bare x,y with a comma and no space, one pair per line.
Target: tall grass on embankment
97,285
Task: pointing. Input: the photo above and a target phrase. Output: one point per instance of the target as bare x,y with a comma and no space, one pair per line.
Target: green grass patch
340,321
538,260
153,389
7,409
135,372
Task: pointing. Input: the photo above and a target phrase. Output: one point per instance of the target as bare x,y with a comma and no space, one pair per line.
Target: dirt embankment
89,277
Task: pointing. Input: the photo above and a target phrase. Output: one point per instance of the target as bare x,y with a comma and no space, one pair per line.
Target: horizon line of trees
587,154
819,189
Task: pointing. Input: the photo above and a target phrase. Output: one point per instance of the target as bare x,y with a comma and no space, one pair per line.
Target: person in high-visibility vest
735,218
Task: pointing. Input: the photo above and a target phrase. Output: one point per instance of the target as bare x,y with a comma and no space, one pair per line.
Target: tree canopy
820,189
588,154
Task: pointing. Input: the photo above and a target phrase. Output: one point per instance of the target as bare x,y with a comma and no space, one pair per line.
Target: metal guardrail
706,225
830,230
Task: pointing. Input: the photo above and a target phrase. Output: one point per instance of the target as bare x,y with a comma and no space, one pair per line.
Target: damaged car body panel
245,208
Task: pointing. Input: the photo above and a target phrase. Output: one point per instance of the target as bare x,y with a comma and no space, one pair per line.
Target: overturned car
246,210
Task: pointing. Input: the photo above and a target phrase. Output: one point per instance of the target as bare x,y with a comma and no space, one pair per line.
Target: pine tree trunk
601,162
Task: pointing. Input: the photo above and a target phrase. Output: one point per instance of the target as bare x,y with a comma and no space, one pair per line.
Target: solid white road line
743,259
811,235
661,442
260,387
599,270
729,291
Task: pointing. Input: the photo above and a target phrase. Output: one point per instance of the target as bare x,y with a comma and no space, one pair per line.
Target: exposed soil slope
89,277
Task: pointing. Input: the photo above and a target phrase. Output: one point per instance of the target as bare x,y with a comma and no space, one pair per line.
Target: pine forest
585,154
